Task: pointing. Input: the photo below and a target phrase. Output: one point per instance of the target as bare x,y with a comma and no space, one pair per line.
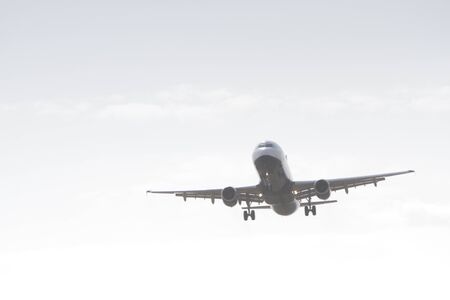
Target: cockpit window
265,145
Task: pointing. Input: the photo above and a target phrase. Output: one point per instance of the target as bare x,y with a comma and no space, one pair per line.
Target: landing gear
249,213
310,208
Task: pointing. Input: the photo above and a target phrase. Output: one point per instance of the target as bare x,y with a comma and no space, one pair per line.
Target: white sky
102,100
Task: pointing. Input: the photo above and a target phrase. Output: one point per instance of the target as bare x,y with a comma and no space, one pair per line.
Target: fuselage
276,180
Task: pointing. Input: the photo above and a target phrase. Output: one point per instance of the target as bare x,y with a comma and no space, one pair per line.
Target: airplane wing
246,194
305,189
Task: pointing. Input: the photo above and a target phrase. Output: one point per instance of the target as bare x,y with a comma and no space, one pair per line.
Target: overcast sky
102,100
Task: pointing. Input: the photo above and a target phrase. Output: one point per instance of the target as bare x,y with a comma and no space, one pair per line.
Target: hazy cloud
186,101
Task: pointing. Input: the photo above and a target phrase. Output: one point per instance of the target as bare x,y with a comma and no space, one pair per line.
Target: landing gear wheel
252,215
306,211
245,215
313,210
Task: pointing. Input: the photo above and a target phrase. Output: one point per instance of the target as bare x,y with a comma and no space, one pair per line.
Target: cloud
417,100
426,214
187,102
428,100
182,102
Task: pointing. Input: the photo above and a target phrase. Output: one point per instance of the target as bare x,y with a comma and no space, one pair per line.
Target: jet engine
229,196
322,188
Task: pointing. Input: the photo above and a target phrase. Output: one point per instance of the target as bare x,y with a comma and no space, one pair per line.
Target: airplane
277,189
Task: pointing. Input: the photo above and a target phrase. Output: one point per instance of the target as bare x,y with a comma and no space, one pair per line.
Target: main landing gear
249,212
310,208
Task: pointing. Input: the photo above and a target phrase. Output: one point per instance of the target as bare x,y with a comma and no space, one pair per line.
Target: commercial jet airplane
277,189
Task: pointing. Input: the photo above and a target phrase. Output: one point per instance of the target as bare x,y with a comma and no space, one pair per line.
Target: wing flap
317,202
246,194
305,189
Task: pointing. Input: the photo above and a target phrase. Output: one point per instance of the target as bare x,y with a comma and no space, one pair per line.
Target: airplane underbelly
278,198
272,175
286,208
276,186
